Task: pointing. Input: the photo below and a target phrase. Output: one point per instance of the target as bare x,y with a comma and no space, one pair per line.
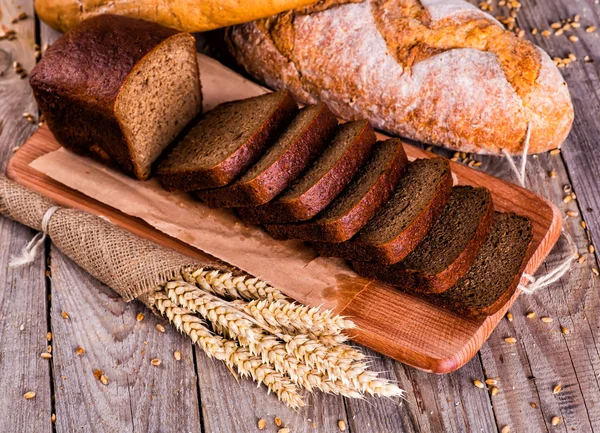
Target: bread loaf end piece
226,142
125,85
444,74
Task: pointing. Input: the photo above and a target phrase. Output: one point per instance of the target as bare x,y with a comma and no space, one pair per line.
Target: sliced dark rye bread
323,181
226,141
303,140
404,220
357,204
497,271
449,249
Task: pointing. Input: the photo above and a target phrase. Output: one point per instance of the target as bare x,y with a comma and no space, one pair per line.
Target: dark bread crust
457,302
420,281
307,145
77,81
406,241
347,225
323,191
230,168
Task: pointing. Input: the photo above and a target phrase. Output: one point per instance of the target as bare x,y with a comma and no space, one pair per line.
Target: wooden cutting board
396,324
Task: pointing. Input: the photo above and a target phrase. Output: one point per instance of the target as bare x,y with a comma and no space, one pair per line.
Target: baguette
190,16
441,72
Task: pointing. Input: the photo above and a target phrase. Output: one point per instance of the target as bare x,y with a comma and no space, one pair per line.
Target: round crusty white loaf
441,72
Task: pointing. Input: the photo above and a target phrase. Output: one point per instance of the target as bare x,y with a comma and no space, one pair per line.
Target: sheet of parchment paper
290,266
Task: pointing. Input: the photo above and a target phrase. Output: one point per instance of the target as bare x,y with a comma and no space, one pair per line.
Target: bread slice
124,85
448,250
497,271
404,220
357,204
298,146
323,181
228,140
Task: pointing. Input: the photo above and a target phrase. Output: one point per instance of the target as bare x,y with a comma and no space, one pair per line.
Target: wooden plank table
196,394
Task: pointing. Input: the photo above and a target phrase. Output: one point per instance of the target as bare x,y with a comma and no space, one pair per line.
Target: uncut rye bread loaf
404,220
119,89
497,271
448,250
323,181
357,204
298,146
226,141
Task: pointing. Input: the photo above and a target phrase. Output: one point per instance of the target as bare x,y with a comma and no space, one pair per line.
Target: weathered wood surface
528,370
23,307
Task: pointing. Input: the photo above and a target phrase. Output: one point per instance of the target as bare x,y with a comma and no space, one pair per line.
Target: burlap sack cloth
130,265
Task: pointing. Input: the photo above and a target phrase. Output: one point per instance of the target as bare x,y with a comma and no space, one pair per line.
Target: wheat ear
308,363
228,286
235,357
275,312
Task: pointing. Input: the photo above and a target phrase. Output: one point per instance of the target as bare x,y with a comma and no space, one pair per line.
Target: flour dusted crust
457,97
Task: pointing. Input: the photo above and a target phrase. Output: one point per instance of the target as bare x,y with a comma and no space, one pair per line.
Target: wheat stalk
235,357
307,362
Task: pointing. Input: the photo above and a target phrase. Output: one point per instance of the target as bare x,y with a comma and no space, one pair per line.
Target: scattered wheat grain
29,395
547,319
46,355
155,362
564,330
495,390
177,355
79,351
557,388
342,425
139,317
104,380
262,424
160,328
49,336
64,315
531,314
556,420
478,383
509,316
510,340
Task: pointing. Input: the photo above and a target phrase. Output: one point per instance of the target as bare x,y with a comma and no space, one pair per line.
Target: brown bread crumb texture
299,145
226,141
404,220
357,204
496,273
310,193
449,249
